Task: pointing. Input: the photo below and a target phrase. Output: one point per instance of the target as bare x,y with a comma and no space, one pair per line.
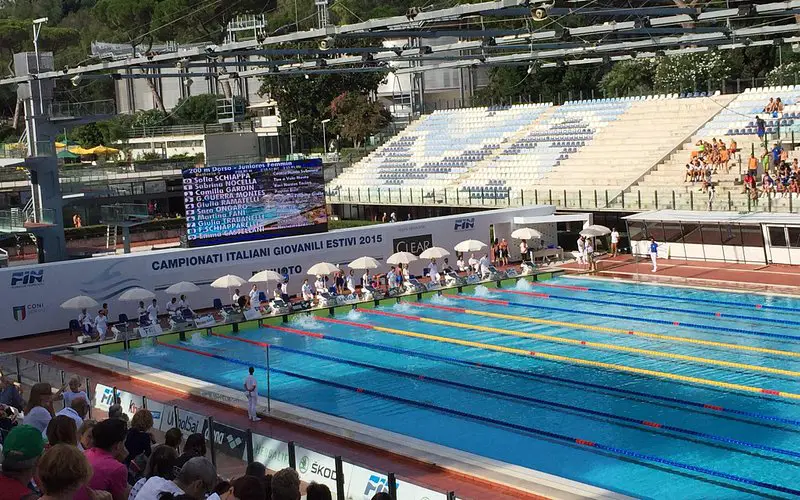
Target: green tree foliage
196,109
201,20
690,72
356,117
88,136
628,78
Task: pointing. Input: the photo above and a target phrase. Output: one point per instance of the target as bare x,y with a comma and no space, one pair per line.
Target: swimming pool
651,391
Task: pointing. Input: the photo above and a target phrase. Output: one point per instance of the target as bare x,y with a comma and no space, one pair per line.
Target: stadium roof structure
543,40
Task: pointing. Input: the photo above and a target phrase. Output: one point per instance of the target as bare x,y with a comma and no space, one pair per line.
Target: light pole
324,137
37,27
291,136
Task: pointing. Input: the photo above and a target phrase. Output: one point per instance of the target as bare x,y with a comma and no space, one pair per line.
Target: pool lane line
714,314
565,359
535,375
501,423
583,343
603,329
696,326
662,297
645,424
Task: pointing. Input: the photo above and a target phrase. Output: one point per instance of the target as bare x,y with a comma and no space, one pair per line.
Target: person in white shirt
184,304
460,263
141,312
433,271
235,297
473,262
76,410
172,305
250,387
306,291
152,311
285,288
196,479
101,325
523,250
254,296
590,255
319,284
349,282
614,242
74,391
365,279
391,279
406,276
85,322
483,265
581,250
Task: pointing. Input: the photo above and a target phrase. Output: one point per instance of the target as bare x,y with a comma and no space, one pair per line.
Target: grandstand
636,145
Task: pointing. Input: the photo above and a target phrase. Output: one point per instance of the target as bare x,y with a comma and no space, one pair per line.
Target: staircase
111,237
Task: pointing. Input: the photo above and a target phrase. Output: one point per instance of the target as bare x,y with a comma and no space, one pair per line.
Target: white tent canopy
364,263
228,281
603,230
434,253
79,302
591,233
470,246
526,233
136,294
182,287
322,268
265,276
401,258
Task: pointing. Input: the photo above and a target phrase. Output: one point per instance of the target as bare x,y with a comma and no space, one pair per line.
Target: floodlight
76,80
41,20
292,121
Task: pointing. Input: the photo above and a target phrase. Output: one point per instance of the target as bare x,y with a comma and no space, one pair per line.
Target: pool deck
772,278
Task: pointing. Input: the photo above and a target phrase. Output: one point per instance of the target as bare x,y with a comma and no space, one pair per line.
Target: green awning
66,155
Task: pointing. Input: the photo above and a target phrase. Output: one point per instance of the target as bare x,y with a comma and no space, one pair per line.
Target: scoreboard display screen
231,203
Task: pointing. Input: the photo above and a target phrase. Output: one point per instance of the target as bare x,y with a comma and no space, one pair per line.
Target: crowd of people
778,176
48,455
708,159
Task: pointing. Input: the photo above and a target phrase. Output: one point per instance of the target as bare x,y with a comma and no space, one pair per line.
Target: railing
198,129
586,199
123,212
67,110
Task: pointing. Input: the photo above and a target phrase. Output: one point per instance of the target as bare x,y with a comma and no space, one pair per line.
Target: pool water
651,391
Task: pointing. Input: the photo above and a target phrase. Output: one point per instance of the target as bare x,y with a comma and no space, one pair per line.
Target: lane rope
524,428
567,359
583,343
604,329
538,376
715,314
647,424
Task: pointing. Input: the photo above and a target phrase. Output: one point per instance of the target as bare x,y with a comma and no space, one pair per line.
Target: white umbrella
364,263
136,294
182,287
401,258
602,230
265,276
526,233
470,246
80,302
322,268
434,253
228,281
591,233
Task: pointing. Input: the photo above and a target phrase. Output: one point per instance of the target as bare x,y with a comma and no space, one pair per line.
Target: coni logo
303,465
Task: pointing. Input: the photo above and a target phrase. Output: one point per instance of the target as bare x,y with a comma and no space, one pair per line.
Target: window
655,230
752,236
691,234
636,231
672,232
794,236
777,236
731,235
711,234
446,79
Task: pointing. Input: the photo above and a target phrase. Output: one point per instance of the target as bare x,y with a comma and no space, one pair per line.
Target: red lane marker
651,424
713,407
458,310
298,332
239,339
770,391
528,294
343,322
630,332
565,287
676,323
421,377
181,348
584,442
718,314
391,315
583,342
758,306
359,389
532,353
479,299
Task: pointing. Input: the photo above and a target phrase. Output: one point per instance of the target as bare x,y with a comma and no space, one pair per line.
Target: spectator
74,391
196,479
770,107
316,491
62,471
85,434
767,184
761,127
10,394
39,411
106,460
752,164
21,451
777,151
195,447
222,489
139,437
749,184
77,411
248,488
257,470
286,485
160,465
115,411
62,430
382,495
173,438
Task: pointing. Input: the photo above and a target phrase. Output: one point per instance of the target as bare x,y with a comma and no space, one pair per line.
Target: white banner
103,399
31,295
363,483
313,466
272,453
188,422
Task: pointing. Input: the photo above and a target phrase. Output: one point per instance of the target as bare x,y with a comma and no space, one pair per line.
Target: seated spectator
767,184
794,186
39,410
77,411
248,488
257,470
460,264
316,491
10,394
85,434
115,411
733,147
770,107
286,485
62,471
777,152
21,451
749,183
160,465
195,447
106,457
74,391
62,430
140,437
778,106
196,479
306,291
173,438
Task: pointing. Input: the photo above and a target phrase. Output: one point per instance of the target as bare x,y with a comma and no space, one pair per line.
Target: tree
356,117
628,78
88,136
196,109
690,72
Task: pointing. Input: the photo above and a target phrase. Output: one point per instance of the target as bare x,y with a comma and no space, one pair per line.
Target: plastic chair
74,326
217,304
262,297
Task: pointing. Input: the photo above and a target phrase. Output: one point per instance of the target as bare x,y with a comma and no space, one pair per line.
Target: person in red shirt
109,473
21,451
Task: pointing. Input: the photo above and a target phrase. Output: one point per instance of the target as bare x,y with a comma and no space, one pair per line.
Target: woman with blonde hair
139,439
62,471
